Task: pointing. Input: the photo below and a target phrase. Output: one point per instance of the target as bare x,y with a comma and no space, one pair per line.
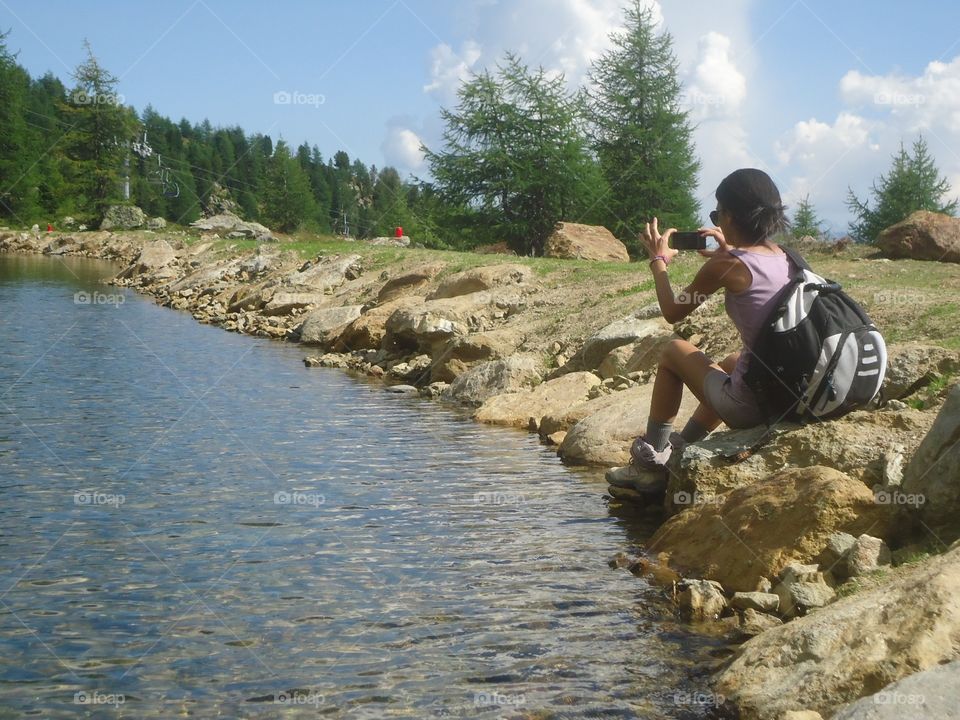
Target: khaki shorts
733,410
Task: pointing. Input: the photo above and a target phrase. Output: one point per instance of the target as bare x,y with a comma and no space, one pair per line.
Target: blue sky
818,93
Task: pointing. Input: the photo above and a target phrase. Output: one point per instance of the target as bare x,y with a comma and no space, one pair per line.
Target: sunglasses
715,217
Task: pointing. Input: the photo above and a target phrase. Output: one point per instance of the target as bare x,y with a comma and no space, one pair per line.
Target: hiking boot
645,457
635,478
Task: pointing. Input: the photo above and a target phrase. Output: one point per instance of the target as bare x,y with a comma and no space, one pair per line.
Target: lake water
195,524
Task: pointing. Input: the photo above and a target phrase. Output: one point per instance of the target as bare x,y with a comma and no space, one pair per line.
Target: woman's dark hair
752,199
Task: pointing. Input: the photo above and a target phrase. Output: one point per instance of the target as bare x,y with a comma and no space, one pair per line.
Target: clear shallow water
195,523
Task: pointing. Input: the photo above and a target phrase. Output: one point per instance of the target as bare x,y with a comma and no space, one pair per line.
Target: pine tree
913,183
642,137
515,153
287,200
19,195
805,221
96,143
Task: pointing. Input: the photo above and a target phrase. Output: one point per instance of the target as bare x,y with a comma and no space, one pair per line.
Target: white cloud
402,149
448,69
716,87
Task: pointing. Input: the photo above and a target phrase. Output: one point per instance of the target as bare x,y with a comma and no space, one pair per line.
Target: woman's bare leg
681,363
705,415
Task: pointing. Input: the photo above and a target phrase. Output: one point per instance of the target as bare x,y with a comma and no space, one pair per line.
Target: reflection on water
195,524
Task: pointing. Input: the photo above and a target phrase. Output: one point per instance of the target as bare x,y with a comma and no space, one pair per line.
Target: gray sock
658,434
693,431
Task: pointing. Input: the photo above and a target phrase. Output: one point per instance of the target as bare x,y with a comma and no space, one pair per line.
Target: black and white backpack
818,356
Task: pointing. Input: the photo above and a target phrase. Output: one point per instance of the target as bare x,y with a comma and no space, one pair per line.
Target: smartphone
688,240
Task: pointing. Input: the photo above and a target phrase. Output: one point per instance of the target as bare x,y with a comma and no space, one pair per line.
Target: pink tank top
748,309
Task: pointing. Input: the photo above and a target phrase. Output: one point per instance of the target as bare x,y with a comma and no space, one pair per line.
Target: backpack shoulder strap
797,258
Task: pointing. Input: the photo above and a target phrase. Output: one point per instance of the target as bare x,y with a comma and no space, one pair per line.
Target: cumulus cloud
569,35
449,68
402,148
716,87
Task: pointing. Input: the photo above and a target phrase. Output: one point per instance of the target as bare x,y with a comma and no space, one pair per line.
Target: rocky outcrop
604,437
911,366
525,408
323,325
853,647
495,377
932,477
408,283
123,217
459,353
368,331
324,273
645,336
226,224
480,279
864,445
933,693
743,535
585,242
152,257
923,236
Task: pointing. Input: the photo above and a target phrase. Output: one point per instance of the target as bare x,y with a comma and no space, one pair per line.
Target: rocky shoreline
828,552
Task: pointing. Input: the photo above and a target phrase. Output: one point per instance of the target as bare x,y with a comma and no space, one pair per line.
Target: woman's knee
674,349
730,362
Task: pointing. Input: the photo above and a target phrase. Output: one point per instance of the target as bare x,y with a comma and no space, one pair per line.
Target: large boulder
604,437
481,278
520,408
285,303
152,257
321,326
923,235
227,224
123,217
864,445
933,474
585,242
459,353
853,647
325,273
911,366
368,331
753,532
432,324
933,694
645,335
494,377
408,283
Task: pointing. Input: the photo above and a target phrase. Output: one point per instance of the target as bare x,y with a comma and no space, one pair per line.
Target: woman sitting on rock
751,270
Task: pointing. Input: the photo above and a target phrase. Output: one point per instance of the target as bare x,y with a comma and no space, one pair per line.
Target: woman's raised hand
717,234
658,244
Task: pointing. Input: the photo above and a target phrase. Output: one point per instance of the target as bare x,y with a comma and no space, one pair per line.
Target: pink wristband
658,257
